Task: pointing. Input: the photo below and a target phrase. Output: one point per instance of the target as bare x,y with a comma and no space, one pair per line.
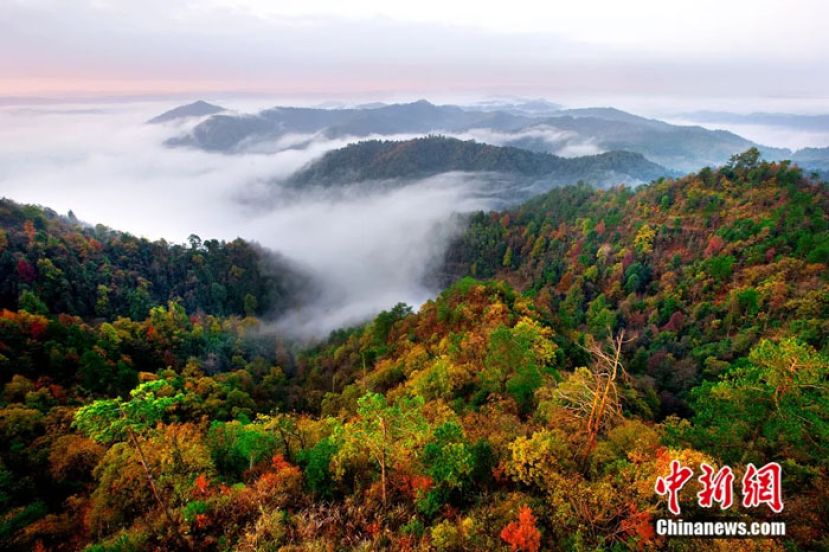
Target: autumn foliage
522,535
587,340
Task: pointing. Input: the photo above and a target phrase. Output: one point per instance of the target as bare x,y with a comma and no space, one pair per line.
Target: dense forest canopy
700,268
587,338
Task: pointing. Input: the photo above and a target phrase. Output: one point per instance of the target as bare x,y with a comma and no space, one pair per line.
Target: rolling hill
422,157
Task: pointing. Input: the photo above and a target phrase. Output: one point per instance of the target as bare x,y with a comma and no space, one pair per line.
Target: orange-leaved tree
522,535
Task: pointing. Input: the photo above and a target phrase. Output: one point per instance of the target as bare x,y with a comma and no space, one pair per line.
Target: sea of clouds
367,247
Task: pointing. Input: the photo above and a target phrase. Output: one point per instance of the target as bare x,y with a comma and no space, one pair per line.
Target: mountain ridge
683,148
421,157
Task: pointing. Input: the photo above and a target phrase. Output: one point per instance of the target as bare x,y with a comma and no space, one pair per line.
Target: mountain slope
695,267
814,158
715,286
784,120
227,133
421,157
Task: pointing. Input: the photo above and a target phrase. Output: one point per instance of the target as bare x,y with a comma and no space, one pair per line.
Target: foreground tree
775,404
115,420
388,433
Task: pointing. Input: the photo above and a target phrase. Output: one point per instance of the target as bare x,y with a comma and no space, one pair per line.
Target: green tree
387,433
30,302
113,420
236,447
449,461
773,404
746,160
600,319
250,304
316,462
516,361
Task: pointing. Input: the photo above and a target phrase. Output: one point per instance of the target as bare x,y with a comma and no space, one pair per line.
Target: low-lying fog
769,135
367,247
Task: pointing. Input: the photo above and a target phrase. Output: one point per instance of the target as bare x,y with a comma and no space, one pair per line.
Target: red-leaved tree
522,535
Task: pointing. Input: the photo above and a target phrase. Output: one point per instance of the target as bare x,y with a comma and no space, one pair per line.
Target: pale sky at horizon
759,48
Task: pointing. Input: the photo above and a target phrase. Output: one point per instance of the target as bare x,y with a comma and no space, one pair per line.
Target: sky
437,48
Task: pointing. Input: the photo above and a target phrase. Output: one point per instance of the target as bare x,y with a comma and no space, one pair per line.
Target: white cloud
777,136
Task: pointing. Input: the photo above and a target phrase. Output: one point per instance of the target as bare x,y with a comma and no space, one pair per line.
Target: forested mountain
54,264
421,157
699,268
544,129
618,330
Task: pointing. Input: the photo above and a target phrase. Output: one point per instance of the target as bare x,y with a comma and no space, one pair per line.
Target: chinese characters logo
759,486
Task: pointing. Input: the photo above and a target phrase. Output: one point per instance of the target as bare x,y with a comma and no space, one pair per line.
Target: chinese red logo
759,486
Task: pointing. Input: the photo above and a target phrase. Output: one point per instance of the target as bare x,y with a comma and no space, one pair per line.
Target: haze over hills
805,122
537,126
816,159
229,133
423,157
529,107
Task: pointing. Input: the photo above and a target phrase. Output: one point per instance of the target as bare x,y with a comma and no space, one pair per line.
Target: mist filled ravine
366,247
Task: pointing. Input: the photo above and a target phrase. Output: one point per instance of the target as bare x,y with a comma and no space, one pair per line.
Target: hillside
421,157
50,263
226,133
699,268
683,148
817,123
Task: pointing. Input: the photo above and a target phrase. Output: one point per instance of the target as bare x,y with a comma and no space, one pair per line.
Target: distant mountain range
534,125
423,157
229,133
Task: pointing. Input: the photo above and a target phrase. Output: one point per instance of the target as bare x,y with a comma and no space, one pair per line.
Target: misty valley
486,325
